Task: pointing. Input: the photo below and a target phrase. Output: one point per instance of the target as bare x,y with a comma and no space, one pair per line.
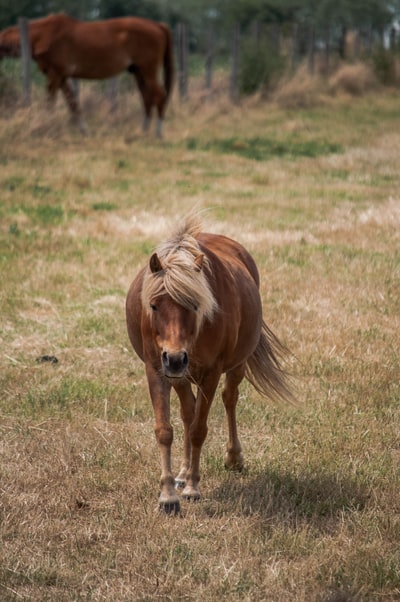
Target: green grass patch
72,396
104,206
262,149
46,215
13,183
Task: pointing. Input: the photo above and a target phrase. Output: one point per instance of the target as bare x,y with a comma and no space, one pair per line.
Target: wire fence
247,53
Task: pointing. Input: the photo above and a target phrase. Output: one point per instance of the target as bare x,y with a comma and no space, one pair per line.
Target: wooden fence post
295,46
327,48
182,51
275,38
311,50
210,42
23,25
234,80
256,30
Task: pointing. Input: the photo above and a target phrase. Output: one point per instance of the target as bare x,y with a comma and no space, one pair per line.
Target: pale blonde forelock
180,277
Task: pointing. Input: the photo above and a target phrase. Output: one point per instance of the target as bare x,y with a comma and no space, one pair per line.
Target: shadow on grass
318,500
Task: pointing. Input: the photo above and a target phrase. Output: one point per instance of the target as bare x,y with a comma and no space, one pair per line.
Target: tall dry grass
315,516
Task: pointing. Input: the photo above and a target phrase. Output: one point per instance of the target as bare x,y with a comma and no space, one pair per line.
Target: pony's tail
168,61
264,371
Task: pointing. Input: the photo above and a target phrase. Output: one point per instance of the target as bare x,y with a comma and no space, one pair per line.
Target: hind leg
153,96
230,395
160,119
161,103
158,99
145,100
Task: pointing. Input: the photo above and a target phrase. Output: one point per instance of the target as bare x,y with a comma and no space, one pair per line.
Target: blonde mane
181,277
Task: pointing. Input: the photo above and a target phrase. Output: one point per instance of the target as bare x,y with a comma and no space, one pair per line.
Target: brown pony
193,313
64,47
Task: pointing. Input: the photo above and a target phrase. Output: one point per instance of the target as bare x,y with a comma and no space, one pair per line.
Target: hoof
191,494
234,462
192,498
170,508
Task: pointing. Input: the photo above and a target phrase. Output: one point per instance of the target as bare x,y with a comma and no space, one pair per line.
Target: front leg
187,401
160,390
71,98
53,85
198,432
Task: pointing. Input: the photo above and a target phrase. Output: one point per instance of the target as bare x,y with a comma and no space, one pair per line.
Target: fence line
182,52
302,43
23,25
209,61
234,79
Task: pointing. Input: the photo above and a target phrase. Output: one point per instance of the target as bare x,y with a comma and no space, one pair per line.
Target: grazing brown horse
193,313
64,47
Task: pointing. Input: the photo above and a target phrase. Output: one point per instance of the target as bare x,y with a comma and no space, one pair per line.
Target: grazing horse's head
177,298
10,45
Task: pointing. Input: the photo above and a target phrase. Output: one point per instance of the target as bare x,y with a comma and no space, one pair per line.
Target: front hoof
192,498
191,494
170,508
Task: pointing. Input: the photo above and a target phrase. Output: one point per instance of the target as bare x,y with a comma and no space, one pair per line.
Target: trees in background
327,20
376,14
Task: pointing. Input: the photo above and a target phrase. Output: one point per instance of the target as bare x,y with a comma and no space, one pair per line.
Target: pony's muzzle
175,364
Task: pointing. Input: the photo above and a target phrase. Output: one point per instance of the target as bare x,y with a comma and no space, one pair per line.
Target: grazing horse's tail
264,371
168,60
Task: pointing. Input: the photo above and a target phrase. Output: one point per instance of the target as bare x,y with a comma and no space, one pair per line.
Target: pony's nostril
185,359
165,358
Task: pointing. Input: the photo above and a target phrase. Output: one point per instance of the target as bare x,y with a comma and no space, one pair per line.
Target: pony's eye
153,307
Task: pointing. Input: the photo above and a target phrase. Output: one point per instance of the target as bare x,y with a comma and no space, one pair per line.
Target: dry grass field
314,194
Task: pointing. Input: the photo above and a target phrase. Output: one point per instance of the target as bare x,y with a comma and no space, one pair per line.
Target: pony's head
177,297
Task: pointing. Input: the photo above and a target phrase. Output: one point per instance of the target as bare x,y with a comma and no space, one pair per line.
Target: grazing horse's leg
230,395
53,85
143,92
188,402
159,128
73,104
198,432
159,100
152,95
160,396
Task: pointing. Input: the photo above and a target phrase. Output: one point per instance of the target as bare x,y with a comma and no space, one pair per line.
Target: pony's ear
198,262
155,263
